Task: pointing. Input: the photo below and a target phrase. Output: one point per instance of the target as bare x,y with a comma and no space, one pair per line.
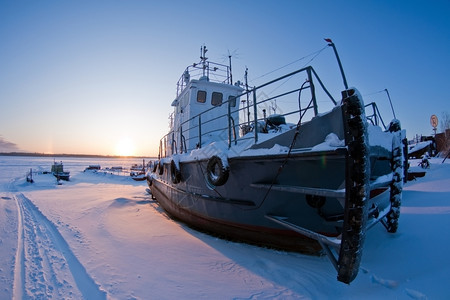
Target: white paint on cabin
202,105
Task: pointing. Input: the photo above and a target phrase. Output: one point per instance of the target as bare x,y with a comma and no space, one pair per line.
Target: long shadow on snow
274,265
122,202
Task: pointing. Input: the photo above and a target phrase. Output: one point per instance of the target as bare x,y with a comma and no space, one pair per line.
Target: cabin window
201,96
232,100
216,98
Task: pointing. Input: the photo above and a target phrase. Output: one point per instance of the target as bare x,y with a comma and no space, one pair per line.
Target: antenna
274,106
234,55
203,57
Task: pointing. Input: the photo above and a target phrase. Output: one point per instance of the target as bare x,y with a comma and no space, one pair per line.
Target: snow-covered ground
102,236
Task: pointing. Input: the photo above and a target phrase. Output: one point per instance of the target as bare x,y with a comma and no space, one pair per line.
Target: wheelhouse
202,107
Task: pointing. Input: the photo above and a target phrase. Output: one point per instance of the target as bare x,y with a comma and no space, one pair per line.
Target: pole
231,74
387,92
255,115
247,92
330,43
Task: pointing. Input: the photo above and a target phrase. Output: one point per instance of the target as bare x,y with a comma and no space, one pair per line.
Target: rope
280,169
307,63
314,54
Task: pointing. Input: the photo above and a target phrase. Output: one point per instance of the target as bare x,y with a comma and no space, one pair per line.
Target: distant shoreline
67,155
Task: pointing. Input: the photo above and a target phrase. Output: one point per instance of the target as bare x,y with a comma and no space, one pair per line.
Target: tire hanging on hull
396,187
160,167
155,166
357,187
217,171
175,173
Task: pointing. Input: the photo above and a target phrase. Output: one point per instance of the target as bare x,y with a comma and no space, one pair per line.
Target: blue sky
99,76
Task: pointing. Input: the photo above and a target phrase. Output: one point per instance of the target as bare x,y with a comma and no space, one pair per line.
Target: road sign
434,121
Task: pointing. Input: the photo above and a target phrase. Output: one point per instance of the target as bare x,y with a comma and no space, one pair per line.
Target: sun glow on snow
125,147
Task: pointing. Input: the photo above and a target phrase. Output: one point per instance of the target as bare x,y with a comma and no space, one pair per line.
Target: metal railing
213,71
252,113
374,117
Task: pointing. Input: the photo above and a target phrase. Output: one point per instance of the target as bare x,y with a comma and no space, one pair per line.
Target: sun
125,147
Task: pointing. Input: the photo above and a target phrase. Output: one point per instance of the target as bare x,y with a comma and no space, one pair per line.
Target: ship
294,178
58,171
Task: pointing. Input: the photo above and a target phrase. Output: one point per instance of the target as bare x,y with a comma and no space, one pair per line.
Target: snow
418,146
220,148
379,138
102,236
331,142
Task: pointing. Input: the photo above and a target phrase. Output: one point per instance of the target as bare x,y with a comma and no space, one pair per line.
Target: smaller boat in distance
58,171
93,168
138,175
138,172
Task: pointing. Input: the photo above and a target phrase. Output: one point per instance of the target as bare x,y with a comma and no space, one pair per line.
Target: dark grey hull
309,192
62,175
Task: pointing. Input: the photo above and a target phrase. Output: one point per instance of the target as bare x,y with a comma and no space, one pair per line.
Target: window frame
214,97
201,100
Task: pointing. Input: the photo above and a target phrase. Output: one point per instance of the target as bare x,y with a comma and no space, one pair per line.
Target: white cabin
201,109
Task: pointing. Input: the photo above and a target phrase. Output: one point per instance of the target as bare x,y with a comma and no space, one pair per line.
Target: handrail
231,120
221,73
375,117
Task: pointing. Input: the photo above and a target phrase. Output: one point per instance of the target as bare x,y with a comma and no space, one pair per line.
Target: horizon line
71,154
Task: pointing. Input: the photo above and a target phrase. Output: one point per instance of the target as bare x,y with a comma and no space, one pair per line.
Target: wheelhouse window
232,100
216,98
201,96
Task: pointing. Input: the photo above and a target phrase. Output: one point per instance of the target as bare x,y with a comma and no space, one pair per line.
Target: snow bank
418,146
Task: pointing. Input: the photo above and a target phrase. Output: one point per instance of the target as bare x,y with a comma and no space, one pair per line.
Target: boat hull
309,192
62,175
138,175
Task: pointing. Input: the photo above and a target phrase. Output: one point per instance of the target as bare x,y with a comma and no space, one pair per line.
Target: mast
203,58
247,92
231,74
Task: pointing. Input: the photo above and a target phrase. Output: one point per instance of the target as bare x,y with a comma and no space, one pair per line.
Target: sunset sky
98,77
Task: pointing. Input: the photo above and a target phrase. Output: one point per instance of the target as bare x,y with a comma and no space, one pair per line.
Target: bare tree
445,126
445,121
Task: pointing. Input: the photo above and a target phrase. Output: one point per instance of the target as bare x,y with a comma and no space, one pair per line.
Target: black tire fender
160,167
175,172
155,166
217,171
357,186
149,180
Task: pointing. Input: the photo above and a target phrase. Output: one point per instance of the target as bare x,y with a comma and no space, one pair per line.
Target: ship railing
373,115
301,105
213,71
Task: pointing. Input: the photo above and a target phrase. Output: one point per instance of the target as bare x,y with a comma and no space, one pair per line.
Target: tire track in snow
45,265
19,270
